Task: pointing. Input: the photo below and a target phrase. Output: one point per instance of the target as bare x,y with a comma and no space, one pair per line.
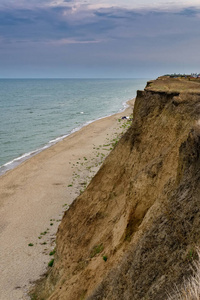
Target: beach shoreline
35,194
10,165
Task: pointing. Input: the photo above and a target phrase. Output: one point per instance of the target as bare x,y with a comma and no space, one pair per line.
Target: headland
133,233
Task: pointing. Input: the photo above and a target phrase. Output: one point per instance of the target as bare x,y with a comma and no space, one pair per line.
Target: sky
98,39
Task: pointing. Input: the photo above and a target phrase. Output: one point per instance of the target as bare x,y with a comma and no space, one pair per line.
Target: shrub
52,252
50,264
105,258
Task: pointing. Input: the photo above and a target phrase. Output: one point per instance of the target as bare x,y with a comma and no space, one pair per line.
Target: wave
17,161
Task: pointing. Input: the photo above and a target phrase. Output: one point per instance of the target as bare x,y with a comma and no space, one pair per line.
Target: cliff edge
133,233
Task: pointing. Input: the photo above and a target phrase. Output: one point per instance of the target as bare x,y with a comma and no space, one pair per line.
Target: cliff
133,233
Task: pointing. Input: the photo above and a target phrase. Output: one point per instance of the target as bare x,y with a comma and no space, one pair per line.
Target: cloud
135,4
74,33
70,41
189,12
116,13
60,22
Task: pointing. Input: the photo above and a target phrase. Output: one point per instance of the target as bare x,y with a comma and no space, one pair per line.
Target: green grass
192,255
96,250
43,233
34,297
52,252
50,264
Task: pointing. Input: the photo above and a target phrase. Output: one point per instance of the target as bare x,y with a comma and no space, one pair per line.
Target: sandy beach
34,196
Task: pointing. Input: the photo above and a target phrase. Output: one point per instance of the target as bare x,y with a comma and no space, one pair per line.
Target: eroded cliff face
142,209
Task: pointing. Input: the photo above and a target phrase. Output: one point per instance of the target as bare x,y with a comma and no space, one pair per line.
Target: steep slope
142,209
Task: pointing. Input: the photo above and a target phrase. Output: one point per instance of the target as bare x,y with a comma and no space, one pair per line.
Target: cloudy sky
98,38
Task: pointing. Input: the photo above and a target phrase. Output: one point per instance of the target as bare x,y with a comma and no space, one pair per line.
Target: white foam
17,161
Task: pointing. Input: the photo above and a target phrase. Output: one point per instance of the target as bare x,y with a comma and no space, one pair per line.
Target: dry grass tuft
190,290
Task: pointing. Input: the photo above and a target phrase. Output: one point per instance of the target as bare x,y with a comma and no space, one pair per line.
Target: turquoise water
36,113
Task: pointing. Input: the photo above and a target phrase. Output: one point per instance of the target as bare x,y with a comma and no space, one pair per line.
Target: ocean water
36,113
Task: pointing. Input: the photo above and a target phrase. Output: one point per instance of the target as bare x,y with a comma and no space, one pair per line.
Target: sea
37,113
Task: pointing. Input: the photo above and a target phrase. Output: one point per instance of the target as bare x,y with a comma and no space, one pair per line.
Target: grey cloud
189,12
58,22
126,37
116,13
